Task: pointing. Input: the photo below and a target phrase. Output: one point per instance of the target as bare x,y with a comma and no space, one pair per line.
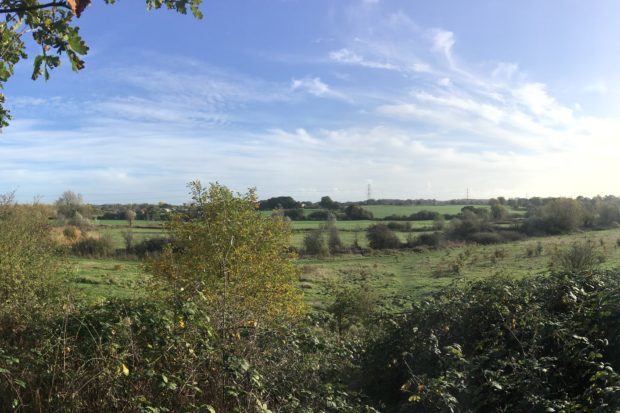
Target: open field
105,278
407,273
391,274
139,234
382,211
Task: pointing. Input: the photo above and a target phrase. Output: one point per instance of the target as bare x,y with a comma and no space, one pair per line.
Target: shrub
94,247
356,212
557,216
320,215
296,214
314,243
352,305
381,237
334,242
434,239
151,247
71,233
486,238
399,226
547,343
580,256
30,269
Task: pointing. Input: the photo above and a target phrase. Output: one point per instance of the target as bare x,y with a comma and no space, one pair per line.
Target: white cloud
316,87
347,56
443,41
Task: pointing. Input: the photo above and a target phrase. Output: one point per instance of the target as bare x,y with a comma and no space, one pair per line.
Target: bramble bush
543,344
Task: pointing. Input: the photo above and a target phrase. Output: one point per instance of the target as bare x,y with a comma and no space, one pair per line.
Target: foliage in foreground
543,344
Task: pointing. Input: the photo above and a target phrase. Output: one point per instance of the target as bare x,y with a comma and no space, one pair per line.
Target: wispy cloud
386,100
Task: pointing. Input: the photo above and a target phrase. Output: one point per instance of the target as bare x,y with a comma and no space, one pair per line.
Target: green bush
580,256
314,243
541,344
381,237
94,247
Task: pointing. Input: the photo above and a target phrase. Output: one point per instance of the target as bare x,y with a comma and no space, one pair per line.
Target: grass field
382,211
406,273
104,278
391,274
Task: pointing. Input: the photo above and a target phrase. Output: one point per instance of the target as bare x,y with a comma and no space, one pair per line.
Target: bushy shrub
151,247
320,215
381,237
580,256
314,243
399,226
94,247
30,269
356,212
126,356
557,216
485,238
547,343
434,239
71,233
296,214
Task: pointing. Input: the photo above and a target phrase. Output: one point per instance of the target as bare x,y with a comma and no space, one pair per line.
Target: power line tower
368,193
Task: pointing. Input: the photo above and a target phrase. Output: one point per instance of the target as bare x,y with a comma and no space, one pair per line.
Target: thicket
542,344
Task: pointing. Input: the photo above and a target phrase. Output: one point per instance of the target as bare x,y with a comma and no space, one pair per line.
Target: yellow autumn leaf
123,369
414,398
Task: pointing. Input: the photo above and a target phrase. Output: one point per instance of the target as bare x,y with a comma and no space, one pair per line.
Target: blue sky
322,97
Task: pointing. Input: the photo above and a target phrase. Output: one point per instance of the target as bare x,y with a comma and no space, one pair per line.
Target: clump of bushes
380,236
94,247
433,239
541,344
150,247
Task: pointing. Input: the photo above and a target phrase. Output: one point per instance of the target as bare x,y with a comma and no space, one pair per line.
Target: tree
556,216
327,203
53,29
130,215
71,204
230,260
334,242
499,212
356,212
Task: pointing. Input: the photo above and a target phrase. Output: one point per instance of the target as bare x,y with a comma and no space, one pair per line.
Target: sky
308,98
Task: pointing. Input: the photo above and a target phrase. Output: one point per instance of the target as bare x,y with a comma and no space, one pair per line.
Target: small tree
230,259
327,203
334,242
130,216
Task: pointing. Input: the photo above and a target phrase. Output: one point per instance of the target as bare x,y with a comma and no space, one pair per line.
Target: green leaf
75,41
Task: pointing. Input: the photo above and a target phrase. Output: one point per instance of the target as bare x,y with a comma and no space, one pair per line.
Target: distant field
352,225
382,211
124,223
